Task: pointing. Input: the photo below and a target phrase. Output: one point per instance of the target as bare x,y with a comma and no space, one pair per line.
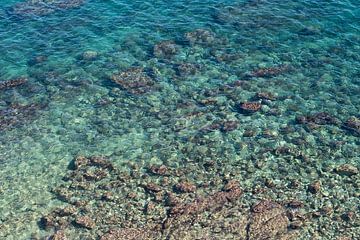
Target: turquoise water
300,60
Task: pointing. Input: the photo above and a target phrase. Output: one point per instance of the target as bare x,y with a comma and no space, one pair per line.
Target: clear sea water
69,106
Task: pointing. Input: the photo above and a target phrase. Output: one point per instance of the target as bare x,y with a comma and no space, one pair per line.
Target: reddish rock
158,170
250,107
231,185
130,234
85,222
185,187
134,80
12,83
347,170
58,235
152,187
270,72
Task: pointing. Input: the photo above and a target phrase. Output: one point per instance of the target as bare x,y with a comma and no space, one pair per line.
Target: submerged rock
347,170
165,49
43,7
134,80
250,107
12,83
200,36
353,125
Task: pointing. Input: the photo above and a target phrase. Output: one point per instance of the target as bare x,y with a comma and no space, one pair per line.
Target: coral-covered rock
89,55
134,80
129,234
185,187
43,7
200,36
347,170
268,221
265,96
17,115
85,222
165,49
320,118
58,235
158,170
315,187
12,83
353,125
250,107
186,69
270,72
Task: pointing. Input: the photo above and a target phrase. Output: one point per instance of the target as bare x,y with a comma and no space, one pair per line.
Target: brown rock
268,221
315,187
152,187
158,170
134,80
185,187
12,83
165,49
58,235
249,107
85,222
347,170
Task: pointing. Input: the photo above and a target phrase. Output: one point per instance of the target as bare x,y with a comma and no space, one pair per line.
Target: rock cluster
43,7
134,80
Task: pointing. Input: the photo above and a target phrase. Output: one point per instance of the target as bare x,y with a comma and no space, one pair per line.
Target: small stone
85,222
347,170
315,187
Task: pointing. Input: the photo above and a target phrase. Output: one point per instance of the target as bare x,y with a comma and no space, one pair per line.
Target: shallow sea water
296,58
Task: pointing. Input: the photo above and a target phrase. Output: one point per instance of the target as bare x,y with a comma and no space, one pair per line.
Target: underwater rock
12,83
250,107
265,96
43,7
347,170
321,118
315,187
17,115
268,221
200,36
158,170
270,71
353,125
165,49
129,234
228,126
58,235
89,55
85,222
134,80
185,187
37,59
186,69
